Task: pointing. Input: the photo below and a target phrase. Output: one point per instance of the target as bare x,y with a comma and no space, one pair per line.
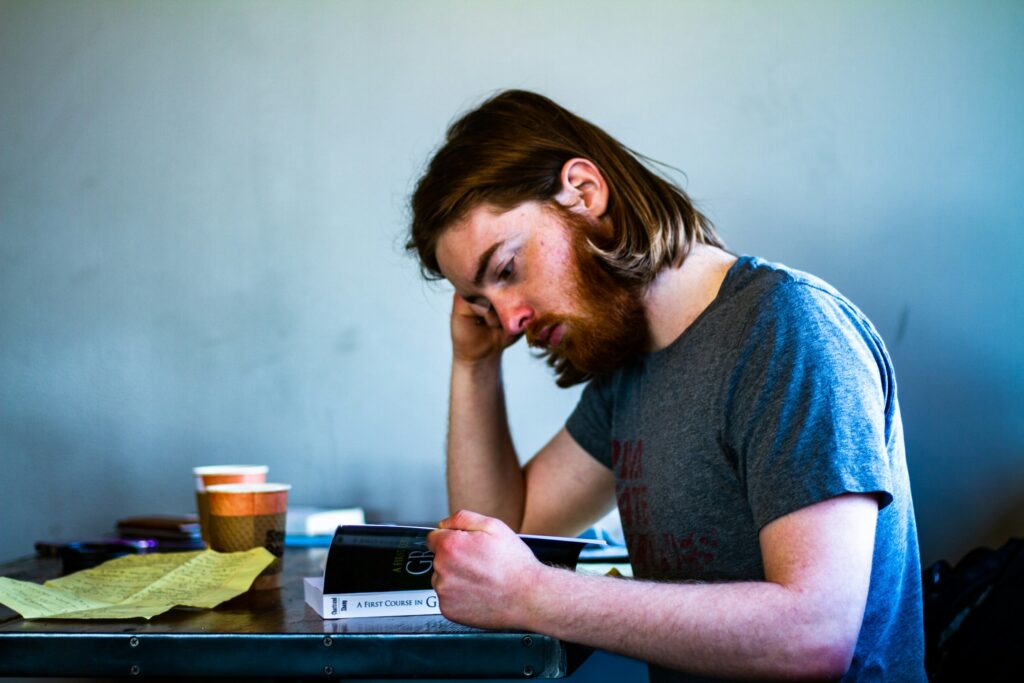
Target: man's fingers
490,320
479,314
467,520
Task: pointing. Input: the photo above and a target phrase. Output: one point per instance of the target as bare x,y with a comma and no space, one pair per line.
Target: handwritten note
138,585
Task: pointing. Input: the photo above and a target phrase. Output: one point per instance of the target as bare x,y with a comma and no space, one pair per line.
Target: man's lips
556,334
549,336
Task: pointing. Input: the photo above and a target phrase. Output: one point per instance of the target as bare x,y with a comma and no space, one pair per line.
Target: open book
381,570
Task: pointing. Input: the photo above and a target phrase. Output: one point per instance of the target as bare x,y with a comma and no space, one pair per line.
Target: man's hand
477,333
482,571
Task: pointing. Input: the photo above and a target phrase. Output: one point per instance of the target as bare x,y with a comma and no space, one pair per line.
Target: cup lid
248,488
229,469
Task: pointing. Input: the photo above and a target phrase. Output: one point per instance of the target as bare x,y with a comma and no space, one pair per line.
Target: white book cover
309,520
380,604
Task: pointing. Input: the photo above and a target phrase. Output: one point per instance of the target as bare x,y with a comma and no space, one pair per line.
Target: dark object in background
974,616
171,527
78,555
136,536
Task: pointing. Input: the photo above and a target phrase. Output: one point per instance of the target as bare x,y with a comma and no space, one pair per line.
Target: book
382,570
378,604
165,527
310,520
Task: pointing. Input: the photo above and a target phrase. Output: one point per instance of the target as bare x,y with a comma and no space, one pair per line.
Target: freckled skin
542,247
529,270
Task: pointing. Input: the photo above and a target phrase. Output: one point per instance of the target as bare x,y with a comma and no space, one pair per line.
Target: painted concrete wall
202,206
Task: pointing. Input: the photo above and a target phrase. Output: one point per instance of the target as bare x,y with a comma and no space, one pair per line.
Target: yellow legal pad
138,585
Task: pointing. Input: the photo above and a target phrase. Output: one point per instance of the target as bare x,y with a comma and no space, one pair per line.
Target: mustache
540,330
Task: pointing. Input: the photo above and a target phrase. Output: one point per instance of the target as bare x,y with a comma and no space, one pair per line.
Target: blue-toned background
202,206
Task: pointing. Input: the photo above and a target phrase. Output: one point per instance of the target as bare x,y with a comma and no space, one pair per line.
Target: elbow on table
830,664
822,658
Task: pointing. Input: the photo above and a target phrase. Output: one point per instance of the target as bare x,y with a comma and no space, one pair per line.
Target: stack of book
183,528
382,570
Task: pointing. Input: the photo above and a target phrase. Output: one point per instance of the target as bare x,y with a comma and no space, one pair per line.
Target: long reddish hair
511,149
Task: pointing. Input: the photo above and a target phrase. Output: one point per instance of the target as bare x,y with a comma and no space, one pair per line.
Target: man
742,415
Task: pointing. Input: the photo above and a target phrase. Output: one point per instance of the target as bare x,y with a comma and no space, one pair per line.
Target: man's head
530,270
520,149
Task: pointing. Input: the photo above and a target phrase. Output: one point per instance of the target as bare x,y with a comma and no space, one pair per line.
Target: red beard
609,327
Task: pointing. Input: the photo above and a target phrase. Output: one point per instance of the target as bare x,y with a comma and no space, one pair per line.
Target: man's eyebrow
485,258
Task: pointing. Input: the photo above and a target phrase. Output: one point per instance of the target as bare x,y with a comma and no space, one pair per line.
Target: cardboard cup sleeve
244,516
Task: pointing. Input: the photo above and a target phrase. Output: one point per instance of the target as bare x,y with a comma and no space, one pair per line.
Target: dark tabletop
271,633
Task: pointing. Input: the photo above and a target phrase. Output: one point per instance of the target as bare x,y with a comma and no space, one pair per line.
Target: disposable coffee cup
211,475
244,516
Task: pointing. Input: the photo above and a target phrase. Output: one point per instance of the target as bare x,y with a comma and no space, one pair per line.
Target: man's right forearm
484,474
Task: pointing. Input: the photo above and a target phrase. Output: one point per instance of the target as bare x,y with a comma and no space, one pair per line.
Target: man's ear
583,188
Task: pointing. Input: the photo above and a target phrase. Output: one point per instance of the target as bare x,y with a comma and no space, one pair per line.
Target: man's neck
679,295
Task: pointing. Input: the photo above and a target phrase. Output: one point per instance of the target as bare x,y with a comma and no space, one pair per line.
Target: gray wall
202,206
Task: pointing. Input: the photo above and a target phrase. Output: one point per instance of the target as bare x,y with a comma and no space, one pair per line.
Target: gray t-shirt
780,395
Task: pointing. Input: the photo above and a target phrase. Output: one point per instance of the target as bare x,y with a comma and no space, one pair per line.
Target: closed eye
508,270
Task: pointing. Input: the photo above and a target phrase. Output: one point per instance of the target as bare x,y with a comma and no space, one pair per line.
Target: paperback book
381,570
310,520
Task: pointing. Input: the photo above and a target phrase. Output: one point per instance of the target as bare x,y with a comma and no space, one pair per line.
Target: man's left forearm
745,629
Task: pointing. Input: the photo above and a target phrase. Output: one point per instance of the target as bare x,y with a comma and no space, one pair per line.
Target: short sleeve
590,423
806,413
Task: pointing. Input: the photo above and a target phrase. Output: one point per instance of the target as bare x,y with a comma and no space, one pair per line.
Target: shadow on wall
992,522
1007,522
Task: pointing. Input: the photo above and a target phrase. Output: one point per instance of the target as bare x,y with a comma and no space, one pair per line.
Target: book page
138,585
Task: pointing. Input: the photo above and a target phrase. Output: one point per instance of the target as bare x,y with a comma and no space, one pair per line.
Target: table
268,634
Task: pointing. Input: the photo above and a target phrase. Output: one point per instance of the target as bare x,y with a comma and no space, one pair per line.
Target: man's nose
514,316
